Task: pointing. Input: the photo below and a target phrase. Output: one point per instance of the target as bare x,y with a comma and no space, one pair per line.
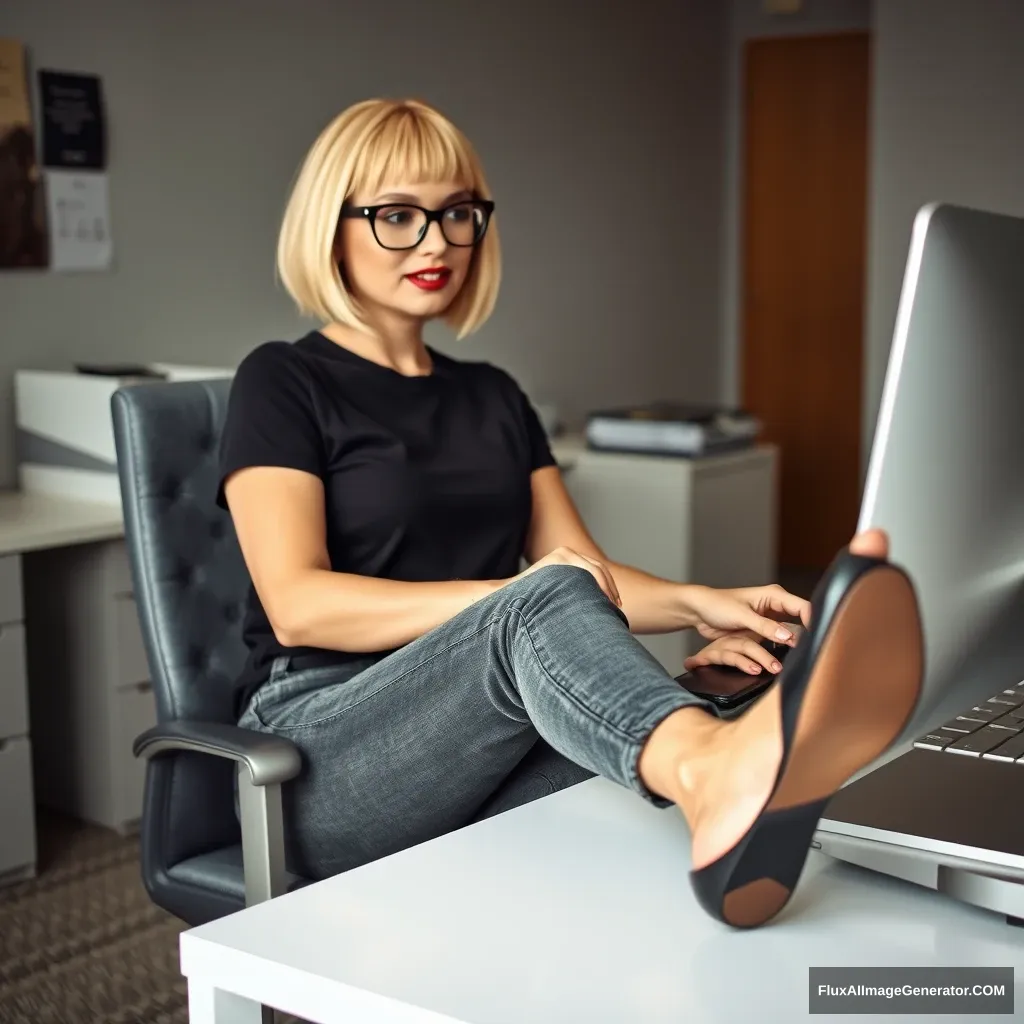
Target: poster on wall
73,123
74,137
23,228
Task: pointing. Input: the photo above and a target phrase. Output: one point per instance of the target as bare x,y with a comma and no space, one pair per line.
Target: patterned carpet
81,943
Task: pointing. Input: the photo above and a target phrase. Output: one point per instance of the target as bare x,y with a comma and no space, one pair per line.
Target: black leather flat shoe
845,694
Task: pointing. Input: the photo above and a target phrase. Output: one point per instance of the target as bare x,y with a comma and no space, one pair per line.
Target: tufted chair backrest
190,580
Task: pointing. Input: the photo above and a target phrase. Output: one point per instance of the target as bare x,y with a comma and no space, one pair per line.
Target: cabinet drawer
18,834
11,605
132,666
13,682
134,713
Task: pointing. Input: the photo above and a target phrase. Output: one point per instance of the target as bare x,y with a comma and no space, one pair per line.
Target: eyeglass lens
401,227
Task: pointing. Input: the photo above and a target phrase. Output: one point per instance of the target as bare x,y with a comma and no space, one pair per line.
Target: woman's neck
401,350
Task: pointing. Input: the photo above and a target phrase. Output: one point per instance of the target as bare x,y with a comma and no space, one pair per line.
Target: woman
384,494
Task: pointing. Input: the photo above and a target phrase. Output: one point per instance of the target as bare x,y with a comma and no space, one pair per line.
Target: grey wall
948,96
747,21
580,114
947,91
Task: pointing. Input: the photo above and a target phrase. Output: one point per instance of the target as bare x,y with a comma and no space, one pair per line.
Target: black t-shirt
425,478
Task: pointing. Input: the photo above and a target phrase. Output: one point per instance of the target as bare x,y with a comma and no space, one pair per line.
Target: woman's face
417,283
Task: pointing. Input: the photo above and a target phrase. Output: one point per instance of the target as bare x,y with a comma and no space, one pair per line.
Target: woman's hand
566,556
755,610
739,650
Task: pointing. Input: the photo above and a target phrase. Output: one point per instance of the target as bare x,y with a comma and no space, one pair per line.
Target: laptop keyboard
993,729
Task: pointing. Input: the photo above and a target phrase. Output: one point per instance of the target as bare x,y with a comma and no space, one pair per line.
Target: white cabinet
90,694
17,811
710,521
17,807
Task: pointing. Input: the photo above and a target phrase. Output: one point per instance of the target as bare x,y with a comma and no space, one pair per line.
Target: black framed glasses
403,226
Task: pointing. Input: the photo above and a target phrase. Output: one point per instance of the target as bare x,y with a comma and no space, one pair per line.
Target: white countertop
30,522
570,449
575,909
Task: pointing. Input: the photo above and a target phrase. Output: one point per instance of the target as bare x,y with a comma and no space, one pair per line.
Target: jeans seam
589,712
631,756
387,683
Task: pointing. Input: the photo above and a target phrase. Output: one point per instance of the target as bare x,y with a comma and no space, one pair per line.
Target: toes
873,543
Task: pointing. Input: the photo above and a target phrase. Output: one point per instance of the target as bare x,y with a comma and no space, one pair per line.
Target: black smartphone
730,687
725,686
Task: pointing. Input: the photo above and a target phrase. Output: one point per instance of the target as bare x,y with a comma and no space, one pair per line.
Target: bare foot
723,789
723,781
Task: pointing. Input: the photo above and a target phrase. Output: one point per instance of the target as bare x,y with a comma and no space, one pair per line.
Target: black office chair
199,861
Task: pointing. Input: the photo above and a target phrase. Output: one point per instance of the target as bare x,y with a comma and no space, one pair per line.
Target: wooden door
804,230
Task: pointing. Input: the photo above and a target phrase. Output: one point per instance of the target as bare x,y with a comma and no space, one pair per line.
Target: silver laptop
945,808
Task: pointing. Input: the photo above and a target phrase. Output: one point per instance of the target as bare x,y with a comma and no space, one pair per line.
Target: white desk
66,614
575,908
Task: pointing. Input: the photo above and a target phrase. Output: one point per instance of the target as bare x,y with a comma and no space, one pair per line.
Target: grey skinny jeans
532,689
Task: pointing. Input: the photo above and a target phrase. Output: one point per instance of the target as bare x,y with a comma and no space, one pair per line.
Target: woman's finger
738,652
612,589
770,629
600,575
776,602
732,659
755,652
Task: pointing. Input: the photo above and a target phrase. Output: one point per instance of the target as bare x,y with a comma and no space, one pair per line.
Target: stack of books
672,428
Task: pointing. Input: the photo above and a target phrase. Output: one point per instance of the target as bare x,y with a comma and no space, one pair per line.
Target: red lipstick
431,280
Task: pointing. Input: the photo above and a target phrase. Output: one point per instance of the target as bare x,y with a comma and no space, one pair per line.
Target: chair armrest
270,759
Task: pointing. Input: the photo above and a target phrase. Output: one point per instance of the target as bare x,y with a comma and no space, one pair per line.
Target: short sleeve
270,419
540,448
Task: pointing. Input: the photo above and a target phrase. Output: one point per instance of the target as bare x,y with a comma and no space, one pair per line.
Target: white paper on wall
79,217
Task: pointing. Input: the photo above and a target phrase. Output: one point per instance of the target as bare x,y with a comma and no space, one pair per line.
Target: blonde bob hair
368,145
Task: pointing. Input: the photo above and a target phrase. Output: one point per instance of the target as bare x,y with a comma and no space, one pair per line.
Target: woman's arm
650,603
280,522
